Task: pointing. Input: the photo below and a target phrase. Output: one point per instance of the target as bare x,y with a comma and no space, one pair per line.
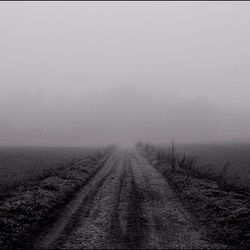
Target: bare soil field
19,165
228,162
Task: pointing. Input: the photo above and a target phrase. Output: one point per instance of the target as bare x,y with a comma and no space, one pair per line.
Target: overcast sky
87,73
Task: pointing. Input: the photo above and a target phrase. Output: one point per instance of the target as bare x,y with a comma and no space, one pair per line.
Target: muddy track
137,224
126,205
128,224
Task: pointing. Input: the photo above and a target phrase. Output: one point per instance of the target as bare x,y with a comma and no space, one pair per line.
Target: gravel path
127,204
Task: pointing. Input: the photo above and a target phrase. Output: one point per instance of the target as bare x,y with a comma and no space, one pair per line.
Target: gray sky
86,73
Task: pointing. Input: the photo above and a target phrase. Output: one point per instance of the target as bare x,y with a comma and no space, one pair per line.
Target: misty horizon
88,73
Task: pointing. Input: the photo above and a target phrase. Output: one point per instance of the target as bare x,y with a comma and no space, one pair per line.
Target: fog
93,73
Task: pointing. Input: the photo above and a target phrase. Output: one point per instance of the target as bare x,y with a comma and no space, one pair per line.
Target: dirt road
127,204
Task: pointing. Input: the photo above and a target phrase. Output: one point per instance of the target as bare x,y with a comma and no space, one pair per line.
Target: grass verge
31,206
224,212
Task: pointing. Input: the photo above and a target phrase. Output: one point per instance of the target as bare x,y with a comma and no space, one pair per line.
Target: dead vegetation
169,157
28,207
224,208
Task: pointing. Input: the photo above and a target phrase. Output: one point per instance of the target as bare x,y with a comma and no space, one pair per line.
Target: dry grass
219,203
29,207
